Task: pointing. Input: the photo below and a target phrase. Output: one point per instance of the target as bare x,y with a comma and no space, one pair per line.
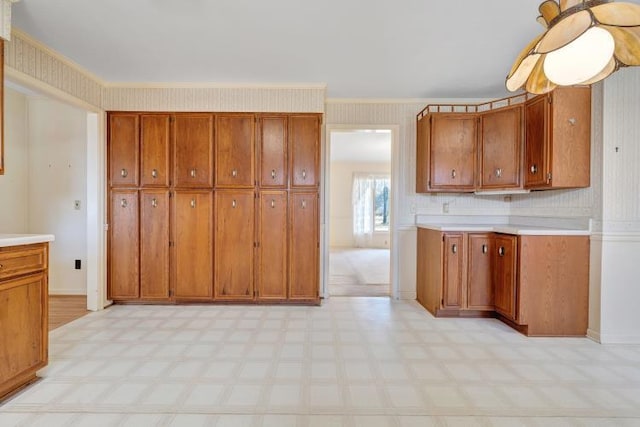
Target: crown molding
212,85
421,101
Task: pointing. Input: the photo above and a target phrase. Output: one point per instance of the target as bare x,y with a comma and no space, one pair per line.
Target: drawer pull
454,248
124,173
304,174
1,266
534,169
154,173
304,204
234,204
501,251
485,249
154,202
453,173
234,173
273,204
572,121
499,173
193,203
193,173
124,203
273,174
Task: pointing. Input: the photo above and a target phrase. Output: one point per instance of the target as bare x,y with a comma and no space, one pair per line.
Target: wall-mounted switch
76,205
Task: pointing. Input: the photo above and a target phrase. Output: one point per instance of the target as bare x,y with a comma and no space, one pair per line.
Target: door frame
394,286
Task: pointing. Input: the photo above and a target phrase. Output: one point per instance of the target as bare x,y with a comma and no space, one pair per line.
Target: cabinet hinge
549,176
429,184
170,192
172,119
256,244
550,99
170,293
171,244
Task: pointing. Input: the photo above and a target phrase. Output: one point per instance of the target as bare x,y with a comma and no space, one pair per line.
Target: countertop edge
519,230
7,240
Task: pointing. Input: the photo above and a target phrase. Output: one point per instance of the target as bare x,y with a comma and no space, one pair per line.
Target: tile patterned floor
352,362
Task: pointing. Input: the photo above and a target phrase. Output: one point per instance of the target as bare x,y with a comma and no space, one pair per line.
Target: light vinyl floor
352,362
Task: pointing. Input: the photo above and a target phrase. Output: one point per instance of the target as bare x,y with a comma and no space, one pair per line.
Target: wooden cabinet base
316,302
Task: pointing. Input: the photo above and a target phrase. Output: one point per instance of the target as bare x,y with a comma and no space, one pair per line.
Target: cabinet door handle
1,266
572,121
454,248
273,203
501,251
154,173
234,173
124,203
453,173
499,173
273,174
534,169
304,204
304,174
234,203
193,173
193,203
124,173
485,249
154,202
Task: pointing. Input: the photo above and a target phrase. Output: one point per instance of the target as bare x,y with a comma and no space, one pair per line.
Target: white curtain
362,209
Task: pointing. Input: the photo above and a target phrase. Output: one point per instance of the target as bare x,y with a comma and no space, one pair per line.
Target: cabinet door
235,152
273,151
192,234
124,146
429,272
155,133
500,148
154,244
235,240
304,144
423,129
453,152
536,156
303,246
453,271
505,258
193,150
479,272
124,246
24,334
271,277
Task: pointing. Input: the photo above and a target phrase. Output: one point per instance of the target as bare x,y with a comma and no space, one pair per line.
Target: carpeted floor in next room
358,272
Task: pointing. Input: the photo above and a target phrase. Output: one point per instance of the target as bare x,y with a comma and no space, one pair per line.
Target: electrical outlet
445,208
76,205
78,264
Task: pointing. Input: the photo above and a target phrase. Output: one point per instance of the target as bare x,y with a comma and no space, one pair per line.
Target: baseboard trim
594,335
407,295
74,292
619,339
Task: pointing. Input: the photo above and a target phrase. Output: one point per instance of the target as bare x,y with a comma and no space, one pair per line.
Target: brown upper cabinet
234,150
155,138
193,150
558,139
273,152
515,143
304,143
124,144
446,150
500,148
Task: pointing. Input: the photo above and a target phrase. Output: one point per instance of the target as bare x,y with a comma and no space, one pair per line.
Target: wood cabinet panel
235,150
453,250
554,285
452,151
271,259
479,272
430,269
505,258
23,330
21,260
193,150
303,246
234,241
536,138
273,151
423,129
193,244
124,148
154,244
155,138
124,245
501,148
304,146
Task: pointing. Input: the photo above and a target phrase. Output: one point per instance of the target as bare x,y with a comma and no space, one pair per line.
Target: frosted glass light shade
580,60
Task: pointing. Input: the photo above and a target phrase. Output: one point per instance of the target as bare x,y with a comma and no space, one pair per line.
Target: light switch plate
76,205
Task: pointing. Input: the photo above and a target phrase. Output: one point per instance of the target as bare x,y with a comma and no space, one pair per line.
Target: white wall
341,206
58,177
14,182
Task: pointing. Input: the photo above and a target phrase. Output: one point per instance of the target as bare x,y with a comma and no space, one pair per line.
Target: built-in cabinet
24,322
537,284
213,207
506,145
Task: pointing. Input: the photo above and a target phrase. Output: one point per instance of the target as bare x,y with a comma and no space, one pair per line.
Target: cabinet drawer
20,260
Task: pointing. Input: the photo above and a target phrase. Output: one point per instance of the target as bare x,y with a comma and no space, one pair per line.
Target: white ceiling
359,48
362,146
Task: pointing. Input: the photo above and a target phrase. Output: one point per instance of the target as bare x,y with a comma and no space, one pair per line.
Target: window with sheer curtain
370,207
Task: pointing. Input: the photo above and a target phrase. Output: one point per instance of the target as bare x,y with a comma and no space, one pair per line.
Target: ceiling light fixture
584,42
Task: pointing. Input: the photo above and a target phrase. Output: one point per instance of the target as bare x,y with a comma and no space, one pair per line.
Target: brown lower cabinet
154,244
537,284
124,246
271,259
24,321
304,246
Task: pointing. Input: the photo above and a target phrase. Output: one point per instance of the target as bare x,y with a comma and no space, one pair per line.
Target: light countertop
520,230
24,239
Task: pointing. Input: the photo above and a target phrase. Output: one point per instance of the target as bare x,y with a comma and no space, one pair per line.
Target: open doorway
359,212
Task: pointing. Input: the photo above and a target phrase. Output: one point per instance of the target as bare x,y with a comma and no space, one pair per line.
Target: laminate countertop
515,229
24,239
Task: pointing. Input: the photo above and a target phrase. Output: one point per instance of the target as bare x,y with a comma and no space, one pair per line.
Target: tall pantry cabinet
213,207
